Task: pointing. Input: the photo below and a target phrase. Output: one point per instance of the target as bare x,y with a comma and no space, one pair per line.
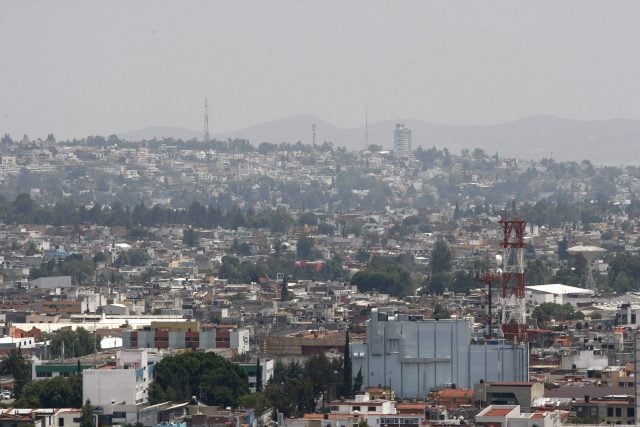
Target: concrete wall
102,386
239,339
176,339
208,339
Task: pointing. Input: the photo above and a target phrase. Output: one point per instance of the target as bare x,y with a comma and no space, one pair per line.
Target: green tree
563,247
440,312
190,237
308,218
440,258
560,312
15,364
347,369
86,419
296,389
284,290
76,343
325,228
362,255
357,382
258,376
536,272
217,380
257,401
31,249
57,392
304,247
438,283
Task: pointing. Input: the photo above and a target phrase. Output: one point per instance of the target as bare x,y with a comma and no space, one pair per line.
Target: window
60,422
631,412
372,409
618,412
609,412
355,408
333,408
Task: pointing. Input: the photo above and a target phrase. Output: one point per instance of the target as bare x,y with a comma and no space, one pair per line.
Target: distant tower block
590,253
402,142
206,121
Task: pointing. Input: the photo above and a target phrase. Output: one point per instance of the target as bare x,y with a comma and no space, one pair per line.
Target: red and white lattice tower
512,299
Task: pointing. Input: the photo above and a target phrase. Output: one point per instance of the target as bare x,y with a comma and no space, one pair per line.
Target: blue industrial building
415,356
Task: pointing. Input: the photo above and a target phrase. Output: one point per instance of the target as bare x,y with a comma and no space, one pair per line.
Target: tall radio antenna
206,120
366,126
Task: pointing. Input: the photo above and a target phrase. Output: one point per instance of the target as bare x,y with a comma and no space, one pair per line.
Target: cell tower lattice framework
512,300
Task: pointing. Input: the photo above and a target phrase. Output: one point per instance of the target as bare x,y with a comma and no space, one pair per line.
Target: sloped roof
559,289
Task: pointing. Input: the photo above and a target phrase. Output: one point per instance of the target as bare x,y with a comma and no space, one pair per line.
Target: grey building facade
415,355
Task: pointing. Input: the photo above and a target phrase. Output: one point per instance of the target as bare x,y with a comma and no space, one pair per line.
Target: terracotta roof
498,412
456,392
410,405
512,383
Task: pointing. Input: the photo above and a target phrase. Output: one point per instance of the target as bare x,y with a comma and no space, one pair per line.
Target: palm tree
16,365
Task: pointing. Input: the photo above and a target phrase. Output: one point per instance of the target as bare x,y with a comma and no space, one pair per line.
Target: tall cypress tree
347,369
258,376
357,382
284,292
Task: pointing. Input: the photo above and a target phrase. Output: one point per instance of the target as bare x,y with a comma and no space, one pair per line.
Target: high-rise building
402,142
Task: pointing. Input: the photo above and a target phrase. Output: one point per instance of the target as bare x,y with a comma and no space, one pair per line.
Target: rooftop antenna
206,120
313,131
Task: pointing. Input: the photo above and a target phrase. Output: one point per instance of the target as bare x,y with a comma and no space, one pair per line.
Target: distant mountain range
603,141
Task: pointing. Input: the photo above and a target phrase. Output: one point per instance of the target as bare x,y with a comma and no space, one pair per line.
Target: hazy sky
82,67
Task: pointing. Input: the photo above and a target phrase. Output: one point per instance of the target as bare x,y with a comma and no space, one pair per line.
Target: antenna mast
366,126
512,301
313,131
206,120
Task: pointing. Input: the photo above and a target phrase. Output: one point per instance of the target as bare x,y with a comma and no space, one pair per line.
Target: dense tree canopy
57,392
624,272
24,210
76,343
440,258
297,388
559,312
215,380
387,275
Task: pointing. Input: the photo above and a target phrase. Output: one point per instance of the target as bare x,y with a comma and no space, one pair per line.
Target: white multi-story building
402,142
128,381
510,415
363,405
413,355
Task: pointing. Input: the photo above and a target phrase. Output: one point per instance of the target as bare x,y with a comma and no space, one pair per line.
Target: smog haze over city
84,68
319,213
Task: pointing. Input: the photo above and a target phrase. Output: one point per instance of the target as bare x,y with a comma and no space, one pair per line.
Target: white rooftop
586,248
559,289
